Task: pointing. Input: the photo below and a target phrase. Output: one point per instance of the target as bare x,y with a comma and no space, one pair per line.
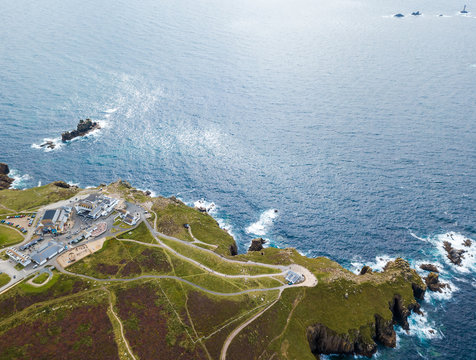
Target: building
18,257
47,252
54,220
130,219
293,277
95,206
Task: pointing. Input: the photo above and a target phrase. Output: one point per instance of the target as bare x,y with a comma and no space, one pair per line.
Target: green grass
4,279
9,236
140,233
32,198
172,217
19,266
40,279
214,262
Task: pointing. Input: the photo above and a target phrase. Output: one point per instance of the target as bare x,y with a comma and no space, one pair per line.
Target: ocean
356,126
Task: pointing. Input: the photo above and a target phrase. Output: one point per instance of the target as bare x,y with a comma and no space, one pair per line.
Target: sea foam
265,222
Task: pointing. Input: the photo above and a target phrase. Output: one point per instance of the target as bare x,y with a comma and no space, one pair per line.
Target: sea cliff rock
429,267
62,184
5,180
467,243
366,270
454,255
257,244
433,282
233,249
84,127
363,341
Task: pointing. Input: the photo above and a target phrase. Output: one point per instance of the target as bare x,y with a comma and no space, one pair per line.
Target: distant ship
416,13
464,11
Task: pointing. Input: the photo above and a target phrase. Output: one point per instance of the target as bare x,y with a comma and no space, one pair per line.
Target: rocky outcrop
84,127
467,243
366,270
454,255
257,244
233,249
429,267
323,340
62,184
5,180
433,282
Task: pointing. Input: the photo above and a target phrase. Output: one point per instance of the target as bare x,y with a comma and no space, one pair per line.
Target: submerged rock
84,127
454,255
257,244
398,15
48,144
429,267
416,13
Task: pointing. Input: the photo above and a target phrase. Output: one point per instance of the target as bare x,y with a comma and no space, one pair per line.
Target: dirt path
195,240
111,307
235,332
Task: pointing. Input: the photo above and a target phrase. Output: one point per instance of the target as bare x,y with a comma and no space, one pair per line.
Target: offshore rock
467,243
454,255
84,127
5,180
433,282
257,244
429,267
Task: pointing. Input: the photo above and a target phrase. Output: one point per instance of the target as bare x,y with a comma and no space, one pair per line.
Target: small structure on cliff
294,278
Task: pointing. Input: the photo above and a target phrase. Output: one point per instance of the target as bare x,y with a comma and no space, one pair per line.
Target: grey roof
47,253
49,214
293,277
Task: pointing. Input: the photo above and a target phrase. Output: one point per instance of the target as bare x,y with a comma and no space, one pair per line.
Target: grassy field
173,214
9,236
4,279
40,279
122,259
140,233
215,262
32,198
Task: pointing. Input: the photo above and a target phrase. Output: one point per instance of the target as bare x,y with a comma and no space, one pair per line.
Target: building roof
47,253
49,214
293,277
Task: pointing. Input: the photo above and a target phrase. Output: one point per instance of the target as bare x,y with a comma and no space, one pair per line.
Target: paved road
168,277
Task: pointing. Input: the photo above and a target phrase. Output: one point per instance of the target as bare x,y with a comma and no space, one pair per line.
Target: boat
399,15
416,13
464,11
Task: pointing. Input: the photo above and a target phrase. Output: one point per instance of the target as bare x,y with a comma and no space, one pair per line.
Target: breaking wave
265,222
19,181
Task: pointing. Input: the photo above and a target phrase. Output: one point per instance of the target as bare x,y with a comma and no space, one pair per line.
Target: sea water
357,127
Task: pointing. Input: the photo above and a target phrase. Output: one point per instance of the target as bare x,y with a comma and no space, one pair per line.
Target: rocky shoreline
5,180
363,341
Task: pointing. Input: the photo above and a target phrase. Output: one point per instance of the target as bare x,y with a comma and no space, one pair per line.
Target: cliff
5,180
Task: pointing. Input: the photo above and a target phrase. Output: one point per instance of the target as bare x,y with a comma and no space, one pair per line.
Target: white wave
456,240
56,142
152,193
39,183
204,205
70,183
265,222
111,111
421,327
19,181
377,265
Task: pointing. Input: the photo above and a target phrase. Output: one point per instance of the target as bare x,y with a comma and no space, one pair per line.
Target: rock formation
323,340
429,267
62,184
84,127
233,249
366,270
456,256
467,243
5,180
433,283
257,244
